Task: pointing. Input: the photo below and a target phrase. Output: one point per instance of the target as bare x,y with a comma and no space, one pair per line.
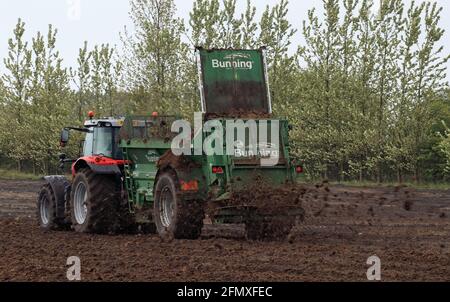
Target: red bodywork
97,161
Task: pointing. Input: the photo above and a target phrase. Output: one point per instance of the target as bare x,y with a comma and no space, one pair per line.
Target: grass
426,186
14,175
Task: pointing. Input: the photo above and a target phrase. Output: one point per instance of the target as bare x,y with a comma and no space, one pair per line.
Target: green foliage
365,93
17,90
97,79
51,100
216,24
38,100
366,110
155,57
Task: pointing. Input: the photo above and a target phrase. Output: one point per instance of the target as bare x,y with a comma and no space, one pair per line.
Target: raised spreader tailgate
233,82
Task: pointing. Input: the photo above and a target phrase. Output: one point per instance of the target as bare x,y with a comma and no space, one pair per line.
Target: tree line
366,93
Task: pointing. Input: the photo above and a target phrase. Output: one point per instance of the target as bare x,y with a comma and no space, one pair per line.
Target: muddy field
408,229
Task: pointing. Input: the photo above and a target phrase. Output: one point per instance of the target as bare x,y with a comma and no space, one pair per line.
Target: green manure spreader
160,174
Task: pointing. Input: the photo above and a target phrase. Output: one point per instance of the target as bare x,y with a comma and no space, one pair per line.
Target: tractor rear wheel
46,210
176,218
94,203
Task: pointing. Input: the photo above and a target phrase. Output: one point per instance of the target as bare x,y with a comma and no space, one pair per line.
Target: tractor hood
234,83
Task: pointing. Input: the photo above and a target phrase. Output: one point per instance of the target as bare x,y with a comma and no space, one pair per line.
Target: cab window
103,141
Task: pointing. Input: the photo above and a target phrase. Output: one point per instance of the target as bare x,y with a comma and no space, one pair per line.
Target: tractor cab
100,150
102,138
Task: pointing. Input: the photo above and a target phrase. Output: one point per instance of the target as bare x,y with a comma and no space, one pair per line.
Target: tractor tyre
94,203
46,210
268,228
174,217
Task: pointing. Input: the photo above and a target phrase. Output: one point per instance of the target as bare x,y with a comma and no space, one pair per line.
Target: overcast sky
100,21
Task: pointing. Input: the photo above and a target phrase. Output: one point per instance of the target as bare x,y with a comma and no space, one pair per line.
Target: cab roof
115,122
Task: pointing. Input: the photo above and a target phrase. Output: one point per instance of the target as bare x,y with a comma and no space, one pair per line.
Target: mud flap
261,224
272,225
242,214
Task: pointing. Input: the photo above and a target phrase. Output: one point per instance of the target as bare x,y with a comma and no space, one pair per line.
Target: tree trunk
361,177
399,176
379,180
417,174
49,167
341,171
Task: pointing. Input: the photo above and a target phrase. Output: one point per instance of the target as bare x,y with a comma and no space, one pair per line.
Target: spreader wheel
175,217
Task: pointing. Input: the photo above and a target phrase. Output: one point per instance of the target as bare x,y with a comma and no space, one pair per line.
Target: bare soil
408,229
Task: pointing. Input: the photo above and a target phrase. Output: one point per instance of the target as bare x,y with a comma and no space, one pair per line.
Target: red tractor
90,202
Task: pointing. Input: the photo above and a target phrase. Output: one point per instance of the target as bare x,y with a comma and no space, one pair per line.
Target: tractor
87,203
129,174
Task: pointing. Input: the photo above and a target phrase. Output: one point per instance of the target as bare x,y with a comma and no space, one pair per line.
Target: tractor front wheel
94,203
175,217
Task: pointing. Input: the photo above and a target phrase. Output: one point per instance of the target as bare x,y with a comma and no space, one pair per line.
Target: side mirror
65,135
